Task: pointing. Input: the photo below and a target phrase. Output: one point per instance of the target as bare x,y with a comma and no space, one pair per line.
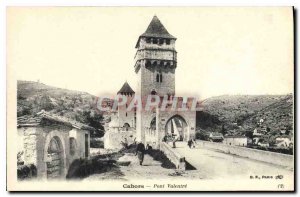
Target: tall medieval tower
155,60
155,65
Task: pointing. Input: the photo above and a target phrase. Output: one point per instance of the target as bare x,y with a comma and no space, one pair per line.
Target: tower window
154,41
159,77
148,40
167,41
148,63
126,114
161,41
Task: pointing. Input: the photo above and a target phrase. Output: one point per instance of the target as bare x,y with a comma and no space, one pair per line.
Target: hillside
276,117
236,113
241,112
32,97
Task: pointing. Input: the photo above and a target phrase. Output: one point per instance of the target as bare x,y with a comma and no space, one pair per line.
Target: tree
94,120
287,132
223,130
249,134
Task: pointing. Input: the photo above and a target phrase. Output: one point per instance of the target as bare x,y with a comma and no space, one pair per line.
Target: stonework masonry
54,144
155,65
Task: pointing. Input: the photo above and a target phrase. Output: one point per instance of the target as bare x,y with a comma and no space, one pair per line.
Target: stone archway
55,161
177,127
55,155
126,126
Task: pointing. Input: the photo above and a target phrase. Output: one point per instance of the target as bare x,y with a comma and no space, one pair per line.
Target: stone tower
155,65
126,117
155,61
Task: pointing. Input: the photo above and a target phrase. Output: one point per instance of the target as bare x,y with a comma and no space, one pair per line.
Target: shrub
96,143
26,171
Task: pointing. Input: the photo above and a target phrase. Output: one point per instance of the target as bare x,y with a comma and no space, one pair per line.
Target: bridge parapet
173,156
255,154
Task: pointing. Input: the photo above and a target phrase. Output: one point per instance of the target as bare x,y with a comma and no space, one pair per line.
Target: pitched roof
35,120
156,29
126,89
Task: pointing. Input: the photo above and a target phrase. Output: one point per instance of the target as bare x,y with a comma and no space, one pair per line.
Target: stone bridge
217,160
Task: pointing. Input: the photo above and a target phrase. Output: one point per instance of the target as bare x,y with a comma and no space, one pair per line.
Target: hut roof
35,120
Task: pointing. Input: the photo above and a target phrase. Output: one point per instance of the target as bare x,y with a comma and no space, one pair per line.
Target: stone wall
79,136
148,80
143,44
236,141
173,156
125,116
260,155
114,136
30,136
36,141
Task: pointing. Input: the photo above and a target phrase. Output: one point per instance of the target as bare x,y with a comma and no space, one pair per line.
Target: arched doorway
55,163
126,126
177,127
153,92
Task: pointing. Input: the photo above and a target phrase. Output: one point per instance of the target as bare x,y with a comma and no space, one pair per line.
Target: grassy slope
246,110
225,110
34,96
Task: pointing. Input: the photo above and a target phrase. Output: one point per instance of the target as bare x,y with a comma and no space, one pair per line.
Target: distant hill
33,97
276,117
241,112
229,112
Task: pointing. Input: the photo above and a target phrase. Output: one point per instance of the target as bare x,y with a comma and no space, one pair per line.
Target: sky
220,50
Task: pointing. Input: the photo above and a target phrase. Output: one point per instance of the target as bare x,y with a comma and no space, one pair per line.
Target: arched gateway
177,127
55,164
155,66
168,126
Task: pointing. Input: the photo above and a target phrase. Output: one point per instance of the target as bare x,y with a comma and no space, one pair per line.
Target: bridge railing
173,156
259,155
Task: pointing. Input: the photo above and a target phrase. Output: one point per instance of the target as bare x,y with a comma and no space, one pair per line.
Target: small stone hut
52,143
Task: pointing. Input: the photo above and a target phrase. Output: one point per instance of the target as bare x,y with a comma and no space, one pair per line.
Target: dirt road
150,170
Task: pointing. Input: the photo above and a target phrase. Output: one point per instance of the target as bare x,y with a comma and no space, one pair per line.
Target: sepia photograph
150,98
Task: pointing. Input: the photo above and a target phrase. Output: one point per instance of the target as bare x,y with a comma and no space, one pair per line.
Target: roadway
216,164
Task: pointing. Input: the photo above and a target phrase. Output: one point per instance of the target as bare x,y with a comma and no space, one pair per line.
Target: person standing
194,142
140,152
148,148
126,143
190,142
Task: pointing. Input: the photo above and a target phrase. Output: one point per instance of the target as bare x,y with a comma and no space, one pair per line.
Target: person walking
148,148
140,152
190,142
194,142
